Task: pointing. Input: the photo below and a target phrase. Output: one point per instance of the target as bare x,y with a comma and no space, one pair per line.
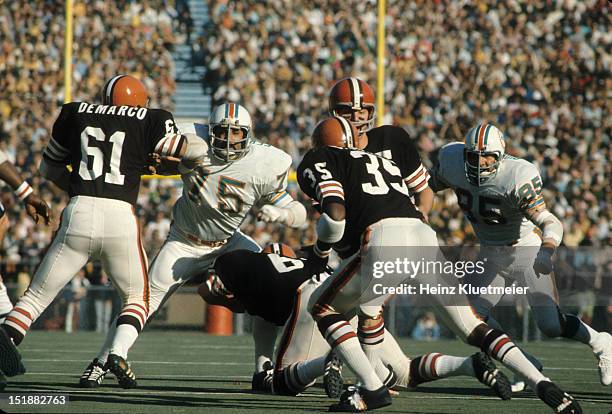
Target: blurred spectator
74,293
427,328
102,294
538,70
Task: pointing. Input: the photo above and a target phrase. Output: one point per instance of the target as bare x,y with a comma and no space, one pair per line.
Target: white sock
351,353
264,336
308,371
519,364
124,339
108,342
586,335
452,366
394,356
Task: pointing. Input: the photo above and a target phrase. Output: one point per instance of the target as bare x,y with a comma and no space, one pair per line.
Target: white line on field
147,362
152,377
247,393
216,363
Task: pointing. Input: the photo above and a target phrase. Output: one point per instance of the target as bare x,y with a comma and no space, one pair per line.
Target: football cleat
332,377
10,358
122,371
487,373
262,381
93,375
560,401
356,400
518,383
604,355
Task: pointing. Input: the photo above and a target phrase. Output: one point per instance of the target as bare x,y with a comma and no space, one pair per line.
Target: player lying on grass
277,286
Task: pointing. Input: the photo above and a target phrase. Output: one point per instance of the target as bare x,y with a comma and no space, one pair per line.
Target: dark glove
317,257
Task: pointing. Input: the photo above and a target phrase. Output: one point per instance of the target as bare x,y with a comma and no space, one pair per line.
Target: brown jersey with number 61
107,146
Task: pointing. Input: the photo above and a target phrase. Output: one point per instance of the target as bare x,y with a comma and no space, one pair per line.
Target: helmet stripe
237,108
473,137
347,132
231,110
486,137
226,110
355,92
108,92
481,130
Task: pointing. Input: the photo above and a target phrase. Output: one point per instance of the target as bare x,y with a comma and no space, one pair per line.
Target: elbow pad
329,230
297,214
550,225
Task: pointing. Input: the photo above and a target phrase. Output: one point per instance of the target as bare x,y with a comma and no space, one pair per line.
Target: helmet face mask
230,132
484,140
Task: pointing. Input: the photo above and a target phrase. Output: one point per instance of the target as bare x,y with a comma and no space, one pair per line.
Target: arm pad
297,214
329,230
552,228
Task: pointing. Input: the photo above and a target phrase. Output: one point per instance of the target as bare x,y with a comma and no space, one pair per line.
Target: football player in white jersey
501,196
219,190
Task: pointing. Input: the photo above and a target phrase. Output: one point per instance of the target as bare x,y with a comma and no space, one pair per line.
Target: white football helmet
482,140
223,118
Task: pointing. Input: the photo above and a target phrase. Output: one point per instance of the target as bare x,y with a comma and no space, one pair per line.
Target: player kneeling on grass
276,285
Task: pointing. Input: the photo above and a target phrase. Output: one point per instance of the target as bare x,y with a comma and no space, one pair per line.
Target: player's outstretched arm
291,213
424,201
189,148
35,206
330,229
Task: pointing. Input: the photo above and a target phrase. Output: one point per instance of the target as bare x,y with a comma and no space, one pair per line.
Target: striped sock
340,335
499,346
295,378
17,324
133,314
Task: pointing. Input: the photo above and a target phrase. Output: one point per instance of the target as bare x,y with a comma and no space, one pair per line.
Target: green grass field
189,372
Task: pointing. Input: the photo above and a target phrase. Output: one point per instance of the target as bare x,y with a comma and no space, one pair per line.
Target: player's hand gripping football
543,264
38,209
161,165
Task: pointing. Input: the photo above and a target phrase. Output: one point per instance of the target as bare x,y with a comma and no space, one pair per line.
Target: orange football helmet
125,90
280,249
336,132
353,94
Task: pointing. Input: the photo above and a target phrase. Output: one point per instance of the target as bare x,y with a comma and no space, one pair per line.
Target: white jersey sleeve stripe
420,170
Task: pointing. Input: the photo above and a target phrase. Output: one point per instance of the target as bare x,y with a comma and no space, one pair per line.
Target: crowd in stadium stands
109,38
537,69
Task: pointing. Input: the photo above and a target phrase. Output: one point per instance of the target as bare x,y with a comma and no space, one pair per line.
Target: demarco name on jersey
122,110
